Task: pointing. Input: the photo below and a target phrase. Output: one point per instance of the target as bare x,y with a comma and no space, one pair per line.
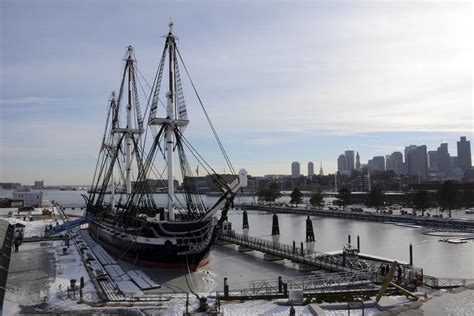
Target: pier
436,222
327,283
348,261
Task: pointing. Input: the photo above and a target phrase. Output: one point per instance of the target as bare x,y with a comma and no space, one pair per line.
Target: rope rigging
143,155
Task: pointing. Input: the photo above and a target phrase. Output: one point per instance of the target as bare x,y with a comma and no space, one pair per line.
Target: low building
39,184
29,198
6,202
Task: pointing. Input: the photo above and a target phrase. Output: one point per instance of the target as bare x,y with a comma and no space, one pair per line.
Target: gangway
60,228
406,275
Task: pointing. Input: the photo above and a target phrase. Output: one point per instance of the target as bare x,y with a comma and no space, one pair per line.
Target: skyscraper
443,159
408,149
341,163
357,162
310,169
321,173
377,163
433,160
464,154
396,159
349,160
295,169
417,161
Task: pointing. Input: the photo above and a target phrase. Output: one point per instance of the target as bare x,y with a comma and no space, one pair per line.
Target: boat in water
138,157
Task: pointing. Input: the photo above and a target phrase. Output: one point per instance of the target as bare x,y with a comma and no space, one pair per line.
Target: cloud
270,76
29,100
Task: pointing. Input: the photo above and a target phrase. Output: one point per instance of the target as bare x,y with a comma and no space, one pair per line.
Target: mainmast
113,109
170,116
128,138
176,117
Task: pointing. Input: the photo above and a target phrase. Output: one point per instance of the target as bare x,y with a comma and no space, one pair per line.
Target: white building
29,198
295,169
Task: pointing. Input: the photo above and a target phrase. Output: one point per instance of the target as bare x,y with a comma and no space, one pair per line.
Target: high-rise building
464,154
358,162
377,163
443,159
295,169
408,149
396,159
349,160
433,160
389,163
341,163
417,161
310,169
321,173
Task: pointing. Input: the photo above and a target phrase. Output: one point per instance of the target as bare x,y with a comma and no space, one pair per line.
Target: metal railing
444,283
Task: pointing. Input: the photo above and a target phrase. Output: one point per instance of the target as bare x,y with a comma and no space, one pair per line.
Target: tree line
446,198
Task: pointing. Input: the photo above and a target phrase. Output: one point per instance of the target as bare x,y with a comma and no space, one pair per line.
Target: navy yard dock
436,222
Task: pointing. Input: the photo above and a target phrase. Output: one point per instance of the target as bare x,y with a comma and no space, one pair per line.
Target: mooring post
245,222
309,230
226,288
349,239
187,303
275,226
358,243
411,254
280,285
292,311
302,250
294,247
81,286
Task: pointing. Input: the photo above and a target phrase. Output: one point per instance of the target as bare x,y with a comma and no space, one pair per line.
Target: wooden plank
142,280
128,288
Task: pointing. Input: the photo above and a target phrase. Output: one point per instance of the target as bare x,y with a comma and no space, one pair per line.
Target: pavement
32,269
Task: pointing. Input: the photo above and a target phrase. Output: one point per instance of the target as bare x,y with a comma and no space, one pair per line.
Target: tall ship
138,153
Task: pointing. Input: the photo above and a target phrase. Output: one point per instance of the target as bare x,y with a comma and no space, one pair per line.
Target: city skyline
402,77
416,160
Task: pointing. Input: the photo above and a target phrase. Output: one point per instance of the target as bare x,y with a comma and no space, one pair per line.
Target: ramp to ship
60,228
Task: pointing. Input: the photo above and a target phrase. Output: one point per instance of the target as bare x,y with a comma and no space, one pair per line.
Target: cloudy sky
282,80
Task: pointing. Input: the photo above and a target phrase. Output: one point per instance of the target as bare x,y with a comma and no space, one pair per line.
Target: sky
282,81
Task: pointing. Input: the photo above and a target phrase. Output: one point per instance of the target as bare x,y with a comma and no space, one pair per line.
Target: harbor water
387,240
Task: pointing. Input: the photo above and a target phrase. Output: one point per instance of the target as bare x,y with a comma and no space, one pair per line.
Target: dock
346,261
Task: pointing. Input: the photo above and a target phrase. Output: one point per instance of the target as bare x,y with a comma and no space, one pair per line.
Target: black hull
166,256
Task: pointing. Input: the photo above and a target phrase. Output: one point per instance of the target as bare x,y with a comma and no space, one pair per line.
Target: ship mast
112,197
128,139
170,132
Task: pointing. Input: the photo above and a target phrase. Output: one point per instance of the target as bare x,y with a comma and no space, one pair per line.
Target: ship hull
148,253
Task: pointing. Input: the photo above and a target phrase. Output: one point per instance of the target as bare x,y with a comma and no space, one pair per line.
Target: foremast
170,129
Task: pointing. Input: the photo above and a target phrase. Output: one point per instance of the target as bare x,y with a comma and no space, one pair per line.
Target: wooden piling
275,226
245,221
309,230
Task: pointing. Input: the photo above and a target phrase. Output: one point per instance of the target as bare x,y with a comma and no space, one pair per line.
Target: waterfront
386,240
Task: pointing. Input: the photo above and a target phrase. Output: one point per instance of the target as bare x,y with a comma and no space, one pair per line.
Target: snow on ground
261,307
35,227
455,303
353,312
69,267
